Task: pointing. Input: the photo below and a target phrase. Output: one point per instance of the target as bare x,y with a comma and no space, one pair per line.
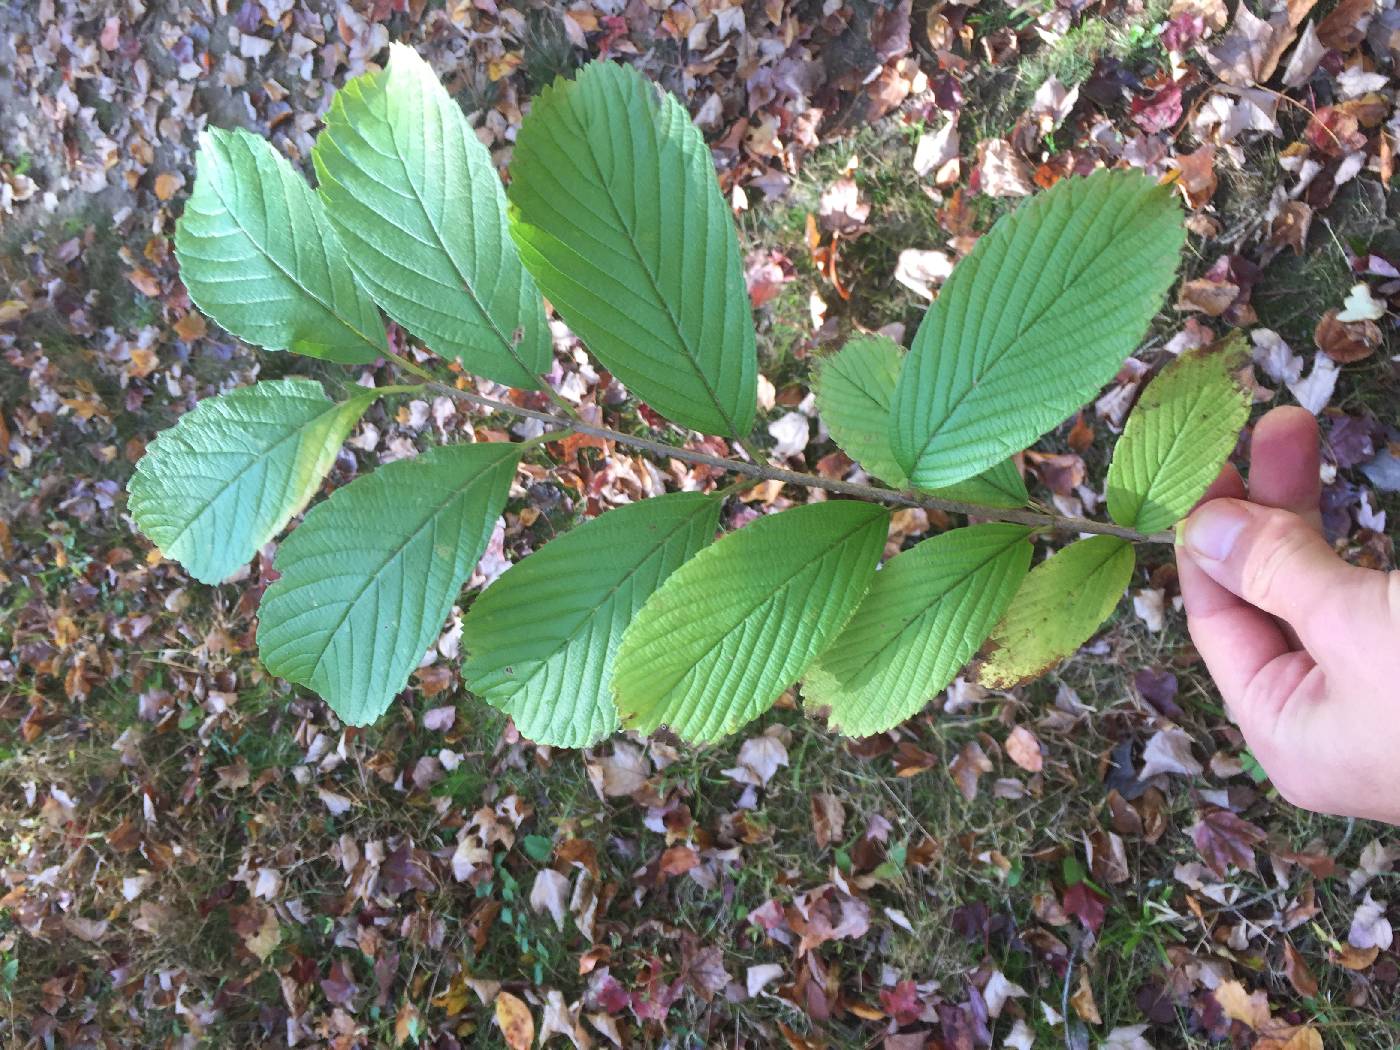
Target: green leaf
229,475
1000,485
416,199
1035,320
541,640
617,213
925,615
371,574
854,390
1178,437
258,256
733,627
1060,604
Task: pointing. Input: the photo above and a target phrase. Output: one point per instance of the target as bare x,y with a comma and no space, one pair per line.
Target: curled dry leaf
970,763
1295,968
922,270
1369,926
1251,1008
1169,751
828,819
1346,341
1083,1001
1197,176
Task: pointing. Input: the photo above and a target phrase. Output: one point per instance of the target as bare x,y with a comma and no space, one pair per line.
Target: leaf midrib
896,635
571,633
467,284
626,229
996,358
237,478
810,565
394,553
293,278
1177,436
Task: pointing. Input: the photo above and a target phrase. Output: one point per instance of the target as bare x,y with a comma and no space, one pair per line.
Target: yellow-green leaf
1059,605
1179,435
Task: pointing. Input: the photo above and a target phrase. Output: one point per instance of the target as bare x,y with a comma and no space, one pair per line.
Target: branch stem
763,471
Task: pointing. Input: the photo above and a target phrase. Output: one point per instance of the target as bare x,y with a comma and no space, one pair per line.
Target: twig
878,493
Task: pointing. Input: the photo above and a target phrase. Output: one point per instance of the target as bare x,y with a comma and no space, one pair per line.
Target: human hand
1304,648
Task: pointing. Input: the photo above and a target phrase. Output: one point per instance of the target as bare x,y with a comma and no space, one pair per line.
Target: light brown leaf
1295,968
970,763
1346,341
828,818
1023,748
516,1023
1252,1008
1083,1001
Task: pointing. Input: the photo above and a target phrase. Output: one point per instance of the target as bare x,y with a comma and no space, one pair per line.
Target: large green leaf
854,390
1060,604
371,574
1179,435
540,641
618,215
224,480
416,199
258,256
733,627
925,615
1035,320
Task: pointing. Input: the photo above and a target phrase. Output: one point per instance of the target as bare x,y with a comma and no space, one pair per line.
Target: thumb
1277,562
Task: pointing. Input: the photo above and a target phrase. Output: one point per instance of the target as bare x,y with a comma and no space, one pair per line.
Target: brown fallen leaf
679,859
1083,1001
1291,1038
516,1022
168,184
1023,748
1250,52
1346,341
406,1023
828,818
1345,25
1197,180
1356,959
911,760
1295,968
970,763
1251,1008
1211,298
191,327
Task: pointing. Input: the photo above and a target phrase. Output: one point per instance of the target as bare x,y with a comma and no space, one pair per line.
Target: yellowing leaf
516,1023
1178,436
1061,603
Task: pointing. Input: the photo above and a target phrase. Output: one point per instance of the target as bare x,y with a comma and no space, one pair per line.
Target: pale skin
1304,648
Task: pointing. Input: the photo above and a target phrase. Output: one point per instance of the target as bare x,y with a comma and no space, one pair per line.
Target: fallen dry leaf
515,1021
1224,839
1251,1008
971,762
1169,751
1023,748
1295,968
1346,342
1369,926
1083,1001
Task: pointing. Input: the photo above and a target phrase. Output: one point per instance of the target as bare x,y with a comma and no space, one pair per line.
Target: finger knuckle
1271,557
